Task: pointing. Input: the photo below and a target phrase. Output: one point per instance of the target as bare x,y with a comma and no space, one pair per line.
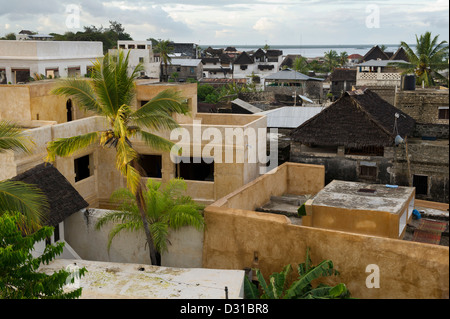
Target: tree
331,60
19,275
343,58
167,208
109,93
429,58
164,48
9,36
301,288
301,65
16,195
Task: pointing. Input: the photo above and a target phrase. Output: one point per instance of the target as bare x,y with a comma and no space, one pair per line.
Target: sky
238,22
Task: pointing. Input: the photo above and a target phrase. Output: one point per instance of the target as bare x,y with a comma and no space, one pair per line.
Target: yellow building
93,172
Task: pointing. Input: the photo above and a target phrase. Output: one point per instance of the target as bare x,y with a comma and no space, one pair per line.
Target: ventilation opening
82,168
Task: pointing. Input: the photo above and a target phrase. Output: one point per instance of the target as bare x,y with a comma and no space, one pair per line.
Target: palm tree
343,58
331,60
164,48
301,65
429,57
167,208
16,196
109,93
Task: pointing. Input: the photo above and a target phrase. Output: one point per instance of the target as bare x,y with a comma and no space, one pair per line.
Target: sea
311,51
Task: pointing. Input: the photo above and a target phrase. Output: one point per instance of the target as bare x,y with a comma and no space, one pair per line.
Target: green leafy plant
301,288
166,208
20,277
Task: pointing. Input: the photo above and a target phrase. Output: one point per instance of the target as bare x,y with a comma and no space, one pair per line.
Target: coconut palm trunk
109,93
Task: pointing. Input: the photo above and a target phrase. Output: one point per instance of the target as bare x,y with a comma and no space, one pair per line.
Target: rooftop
106,280
363,196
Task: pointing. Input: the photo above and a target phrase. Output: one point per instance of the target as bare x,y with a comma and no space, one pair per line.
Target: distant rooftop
364,196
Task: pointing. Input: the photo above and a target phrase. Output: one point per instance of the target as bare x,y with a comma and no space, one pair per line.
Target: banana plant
301,288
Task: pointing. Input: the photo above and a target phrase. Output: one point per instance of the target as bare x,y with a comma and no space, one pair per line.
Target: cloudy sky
239,22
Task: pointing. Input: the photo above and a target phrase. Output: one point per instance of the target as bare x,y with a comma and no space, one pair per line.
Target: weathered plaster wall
407,269
184,250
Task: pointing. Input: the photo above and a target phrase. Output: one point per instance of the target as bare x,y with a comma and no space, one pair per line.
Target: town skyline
239,22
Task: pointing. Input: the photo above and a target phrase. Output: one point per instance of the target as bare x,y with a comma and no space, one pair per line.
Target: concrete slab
105,280
363,196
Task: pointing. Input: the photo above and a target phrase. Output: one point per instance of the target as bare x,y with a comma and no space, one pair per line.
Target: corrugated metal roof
186,62
247,106
288,74
381,63
290,116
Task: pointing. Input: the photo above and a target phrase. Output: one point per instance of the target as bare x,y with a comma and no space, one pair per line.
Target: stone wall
427,158
423,104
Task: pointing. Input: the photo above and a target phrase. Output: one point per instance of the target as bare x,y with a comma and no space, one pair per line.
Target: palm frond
26,199
157,113
81,91
159,231
68,146
156,141
13,138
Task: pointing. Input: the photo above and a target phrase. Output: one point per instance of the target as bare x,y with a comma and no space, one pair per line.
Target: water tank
409,83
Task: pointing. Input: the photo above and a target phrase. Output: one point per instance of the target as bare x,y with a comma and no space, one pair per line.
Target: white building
20,60
378,73
258,65
141,52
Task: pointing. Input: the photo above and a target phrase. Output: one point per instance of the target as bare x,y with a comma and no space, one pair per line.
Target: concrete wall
33,101
407,269
184,250
288,178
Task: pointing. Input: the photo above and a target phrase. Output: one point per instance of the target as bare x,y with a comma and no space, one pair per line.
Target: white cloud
238,21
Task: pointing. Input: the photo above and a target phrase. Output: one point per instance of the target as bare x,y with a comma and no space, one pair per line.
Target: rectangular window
443,113
369,172
82,167
195,169
420,182
141,60
152,165
244,67
141,46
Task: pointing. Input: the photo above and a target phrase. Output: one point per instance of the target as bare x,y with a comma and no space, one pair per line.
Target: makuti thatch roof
63,198
357,119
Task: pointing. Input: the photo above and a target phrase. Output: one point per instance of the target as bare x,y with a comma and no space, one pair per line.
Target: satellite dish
398,140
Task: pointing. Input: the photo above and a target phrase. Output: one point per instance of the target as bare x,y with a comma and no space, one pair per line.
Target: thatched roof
244,58
63,198
400,55
357,119
343,74
375,53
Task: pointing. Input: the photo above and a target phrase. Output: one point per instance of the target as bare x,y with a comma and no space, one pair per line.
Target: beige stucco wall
288,178
34,101
407,269
185,248
358,220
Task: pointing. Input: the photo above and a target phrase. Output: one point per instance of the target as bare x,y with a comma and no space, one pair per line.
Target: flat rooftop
363,196
107,280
